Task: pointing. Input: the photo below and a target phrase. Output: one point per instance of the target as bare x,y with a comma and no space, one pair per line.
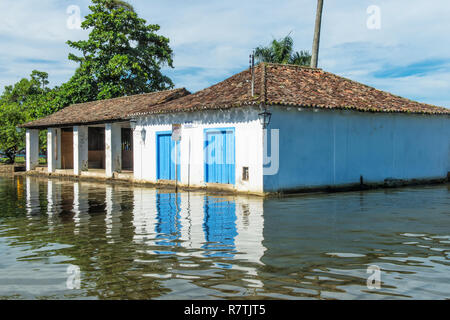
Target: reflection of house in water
80,207
227,232
220,227
217,226
32,200
192,230
143,243
168,219
113,214
208,226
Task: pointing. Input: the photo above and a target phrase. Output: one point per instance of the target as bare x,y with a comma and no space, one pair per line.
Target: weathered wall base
227,189
11,168
387,184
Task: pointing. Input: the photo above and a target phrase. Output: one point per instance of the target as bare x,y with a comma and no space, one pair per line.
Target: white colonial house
298,129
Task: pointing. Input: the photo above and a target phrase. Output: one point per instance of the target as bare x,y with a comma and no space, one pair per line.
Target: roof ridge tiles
293,65
130,96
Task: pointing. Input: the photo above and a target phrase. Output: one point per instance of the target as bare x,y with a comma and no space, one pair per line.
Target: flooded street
141,243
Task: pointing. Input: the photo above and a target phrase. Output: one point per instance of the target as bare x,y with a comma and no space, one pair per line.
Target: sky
399,46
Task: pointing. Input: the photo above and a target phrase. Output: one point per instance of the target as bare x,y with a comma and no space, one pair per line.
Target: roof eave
72,124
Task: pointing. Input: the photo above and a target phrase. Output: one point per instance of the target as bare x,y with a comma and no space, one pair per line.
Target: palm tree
116,4
302,58
282,51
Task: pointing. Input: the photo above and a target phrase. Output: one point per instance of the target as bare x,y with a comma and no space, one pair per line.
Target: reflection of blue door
168,225
165,161
219,225
220,156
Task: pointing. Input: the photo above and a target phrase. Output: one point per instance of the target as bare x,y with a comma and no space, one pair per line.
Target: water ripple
137,243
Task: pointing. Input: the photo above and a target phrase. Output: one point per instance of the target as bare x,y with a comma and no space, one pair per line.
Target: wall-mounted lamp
264,118
143,134
133,123
18,130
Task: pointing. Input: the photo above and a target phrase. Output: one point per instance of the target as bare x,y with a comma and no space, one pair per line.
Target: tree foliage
123,55
115,4
11,141
25,100
282,51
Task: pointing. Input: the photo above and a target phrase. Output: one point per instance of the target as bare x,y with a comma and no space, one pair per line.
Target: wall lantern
264,118
133,123
18,129
143,135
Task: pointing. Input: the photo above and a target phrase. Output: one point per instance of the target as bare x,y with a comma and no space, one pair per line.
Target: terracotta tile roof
105,110
290,85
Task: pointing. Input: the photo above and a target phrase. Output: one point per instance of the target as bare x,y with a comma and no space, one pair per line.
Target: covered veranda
93,138
96,150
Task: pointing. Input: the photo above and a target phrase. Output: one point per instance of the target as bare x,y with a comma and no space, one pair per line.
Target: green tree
11,141
282,51
27,93
123,55
115,4
26,100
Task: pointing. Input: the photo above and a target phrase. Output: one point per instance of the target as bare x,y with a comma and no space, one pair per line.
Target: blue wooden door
165,159
220,156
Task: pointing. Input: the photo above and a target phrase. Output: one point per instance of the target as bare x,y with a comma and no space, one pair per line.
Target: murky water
138,243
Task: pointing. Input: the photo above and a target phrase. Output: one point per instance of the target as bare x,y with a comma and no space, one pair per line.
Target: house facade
214,149
298,129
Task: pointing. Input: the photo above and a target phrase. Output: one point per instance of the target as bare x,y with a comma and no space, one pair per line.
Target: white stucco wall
53,149
113,148
332,148
32,149
248,140
80,149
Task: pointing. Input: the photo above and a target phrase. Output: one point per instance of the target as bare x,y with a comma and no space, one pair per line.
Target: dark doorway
96,151
127,149
67,148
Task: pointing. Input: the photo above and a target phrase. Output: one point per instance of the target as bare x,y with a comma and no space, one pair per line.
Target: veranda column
80,149
32,149
53,149
113,149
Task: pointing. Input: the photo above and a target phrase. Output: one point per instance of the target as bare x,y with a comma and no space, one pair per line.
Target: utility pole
315,50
